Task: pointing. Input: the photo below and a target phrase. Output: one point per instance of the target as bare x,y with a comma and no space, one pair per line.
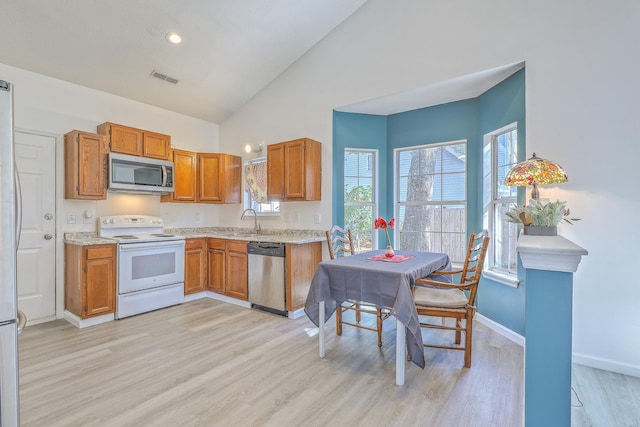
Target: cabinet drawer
100,252
237,246
194,244
216,244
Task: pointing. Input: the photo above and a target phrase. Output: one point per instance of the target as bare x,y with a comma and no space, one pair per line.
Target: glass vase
389,253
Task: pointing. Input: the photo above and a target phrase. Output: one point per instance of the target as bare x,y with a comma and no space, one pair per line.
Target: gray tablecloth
384,284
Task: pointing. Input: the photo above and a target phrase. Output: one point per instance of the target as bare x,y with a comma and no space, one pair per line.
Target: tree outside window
431,199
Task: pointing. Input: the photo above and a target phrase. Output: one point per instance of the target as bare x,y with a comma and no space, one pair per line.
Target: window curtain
256,177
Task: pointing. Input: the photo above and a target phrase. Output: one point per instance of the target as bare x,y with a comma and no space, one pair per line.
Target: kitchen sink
239,234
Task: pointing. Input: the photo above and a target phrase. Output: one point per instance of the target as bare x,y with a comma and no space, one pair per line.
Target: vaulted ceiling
230,50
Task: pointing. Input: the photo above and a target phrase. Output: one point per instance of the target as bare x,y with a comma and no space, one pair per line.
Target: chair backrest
473,263
339,242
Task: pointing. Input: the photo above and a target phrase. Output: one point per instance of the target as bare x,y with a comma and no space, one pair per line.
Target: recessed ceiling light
174,37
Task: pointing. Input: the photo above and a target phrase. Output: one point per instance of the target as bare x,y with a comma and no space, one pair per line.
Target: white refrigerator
9,236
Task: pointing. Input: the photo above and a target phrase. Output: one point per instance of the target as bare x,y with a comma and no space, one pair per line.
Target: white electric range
150,263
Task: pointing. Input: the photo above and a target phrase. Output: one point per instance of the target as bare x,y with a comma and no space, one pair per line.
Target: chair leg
458,324
467,338
357,313
379,326
339,320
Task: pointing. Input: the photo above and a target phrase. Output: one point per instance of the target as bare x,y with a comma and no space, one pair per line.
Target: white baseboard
578,358
606,364
296,314
224,298
83,323
502,330
193,297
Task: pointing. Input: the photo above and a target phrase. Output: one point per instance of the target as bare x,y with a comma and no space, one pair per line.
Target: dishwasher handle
266,249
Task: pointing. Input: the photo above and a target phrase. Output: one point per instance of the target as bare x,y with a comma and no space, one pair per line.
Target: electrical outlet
317,218
71,219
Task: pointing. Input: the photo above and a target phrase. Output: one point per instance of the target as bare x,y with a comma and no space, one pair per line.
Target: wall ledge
552,253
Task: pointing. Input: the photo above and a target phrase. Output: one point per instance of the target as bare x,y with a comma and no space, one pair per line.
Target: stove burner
125,236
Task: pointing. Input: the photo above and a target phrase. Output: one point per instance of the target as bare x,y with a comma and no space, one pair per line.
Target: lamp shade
535,171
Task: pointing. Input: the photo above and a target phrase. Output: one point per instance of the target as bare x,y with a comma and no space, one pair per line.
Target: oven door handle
124,247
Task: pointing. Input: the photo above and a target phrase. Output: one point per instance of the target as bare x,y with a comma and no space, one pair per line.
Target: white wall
55,107
582,64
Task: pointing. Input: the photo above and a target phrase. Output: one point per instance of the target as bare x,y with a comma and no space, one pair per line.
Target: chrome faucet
256,227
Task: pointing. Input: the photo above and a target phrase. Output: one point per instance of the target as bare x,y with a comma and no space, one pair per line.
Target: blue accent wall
466,120
359,131
442,123
499,106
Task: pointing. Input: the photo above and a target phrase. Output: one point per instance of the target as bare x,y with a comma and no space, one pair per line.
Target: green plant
541,214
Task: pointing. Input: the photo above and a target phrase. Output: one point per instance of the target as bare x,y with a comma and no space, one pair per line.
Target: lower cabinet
90,280
227,268
301,263
195,266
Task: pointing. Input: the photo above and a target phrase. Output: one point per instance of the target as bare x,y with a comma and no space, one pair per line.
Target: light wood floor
208,363
603,398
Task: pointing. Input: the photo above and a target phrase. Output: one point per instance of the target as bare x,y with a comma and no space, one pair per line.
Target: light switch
71,219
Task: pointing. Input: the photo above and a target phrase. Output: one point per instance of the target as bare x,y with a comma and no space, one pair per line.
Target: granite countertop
297,237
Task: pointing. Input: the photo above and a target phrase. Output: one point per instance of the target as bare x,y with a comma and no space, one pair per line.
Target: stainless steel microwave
143,175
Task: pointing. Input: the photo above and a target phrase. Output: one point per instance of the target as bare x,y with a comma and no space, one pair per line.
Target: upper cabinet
85,163
205,178
219,178
294,170
184,178
136,142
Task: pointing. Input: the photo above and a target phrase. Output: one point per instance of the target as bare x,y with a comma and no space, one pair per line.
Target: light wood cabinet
294,170
136,142
227,262
195,266
156,145
90,280
205,178
85,162
216,254
237,283
219,178
184,178
300,265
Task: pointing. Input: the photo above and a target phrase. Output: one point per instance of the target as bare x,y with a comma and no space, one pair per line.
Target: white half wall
582,65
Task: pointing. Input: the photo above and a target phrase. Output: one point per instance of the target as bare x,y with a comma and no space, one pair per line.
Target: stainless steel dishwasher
266,277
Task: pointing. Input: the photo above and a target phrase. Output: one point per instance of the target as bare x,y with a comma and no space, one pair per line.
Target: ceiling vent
164,77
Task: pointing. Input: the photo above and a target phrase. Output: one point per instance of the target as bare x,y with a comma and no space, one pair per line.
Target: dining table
385,282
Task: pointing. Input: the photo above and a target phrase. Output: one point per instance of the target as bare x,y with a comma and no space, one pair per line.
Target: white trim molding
606,364
91,321
552,253
500,329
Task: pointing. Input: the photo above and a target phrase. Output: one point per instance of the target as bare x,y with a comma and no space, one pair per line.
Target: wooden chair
448,300
341,244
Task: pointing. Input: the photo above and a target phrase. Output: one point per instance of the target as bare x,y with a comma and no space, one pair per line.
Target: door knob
48,217
48,236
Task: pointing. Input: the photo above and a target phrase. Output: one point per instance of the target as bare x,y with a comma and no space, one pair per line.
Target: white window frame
246,195
462,202
374,179
491,271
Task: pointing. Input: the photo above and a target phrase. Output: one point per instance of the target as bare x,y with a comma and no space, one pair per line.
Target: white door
35,159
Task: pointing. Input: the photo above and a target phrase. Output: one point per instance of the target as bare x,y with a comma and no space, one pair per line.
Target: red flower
380,223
